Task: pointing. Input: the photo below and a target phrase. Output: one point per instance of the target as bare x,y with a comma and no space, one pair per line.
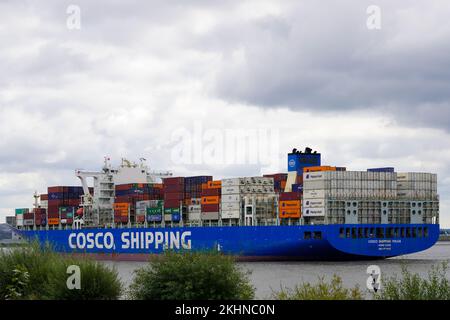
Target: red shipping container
44,197
210,207
287,196
140,218
174,180
171,203
53,215
28,216
72,202
174,196
211,192
55,189
123,187
173,188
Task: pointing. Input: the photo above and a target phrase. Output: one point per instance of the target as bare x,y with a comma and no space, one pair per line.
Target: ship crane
98,206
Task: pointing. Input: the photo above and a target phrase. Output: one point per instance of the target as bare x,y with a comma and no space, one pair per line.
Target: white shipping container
142,204
313,203
314,194
195,208
193,216
316,184
233,182
230,214
210,216
314,212
141,211
312,176
230,206
230,198
232,190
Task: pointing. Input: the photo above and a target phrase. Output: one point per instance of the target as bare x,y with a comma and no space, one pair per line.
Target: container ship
311,212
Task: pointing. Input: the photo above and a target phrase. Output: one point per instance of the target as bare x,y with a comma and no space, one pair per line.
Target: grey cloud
322,62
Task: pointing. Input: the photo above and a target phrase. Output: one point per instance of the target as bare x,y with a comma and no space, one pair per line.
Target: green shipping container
154,211
22,211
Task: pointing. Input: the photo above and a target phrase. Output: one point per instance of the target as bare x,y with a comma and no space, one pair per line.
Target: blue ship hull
321,242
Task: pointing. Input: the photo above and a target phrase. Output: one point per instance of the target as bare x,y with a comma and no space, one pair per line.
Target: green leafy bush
323,290
36,272
190,276
413,287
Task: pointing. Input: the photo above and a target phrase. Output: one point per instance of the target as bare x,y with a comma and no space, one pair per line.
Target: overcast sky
138,76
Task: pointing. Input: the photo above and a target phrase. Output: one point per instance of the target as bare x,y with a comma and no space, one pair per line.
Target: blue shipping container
297,188
386,169
175,217
154,218
56,196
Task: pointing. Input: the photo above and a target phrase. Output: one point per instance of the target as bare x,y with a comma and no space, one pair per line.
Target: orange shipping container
158,185
53,221
290,213
122,212
121,206
290,204
217,184
204,186
283,184
211,200
319,168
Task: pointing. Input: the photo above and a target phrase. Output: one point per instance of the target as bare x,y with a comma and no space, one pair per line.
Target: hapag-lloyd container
314,203
314,212
227,206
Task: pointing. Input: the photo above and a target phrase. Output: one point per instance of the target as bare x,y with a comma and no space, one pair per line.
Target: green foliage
36,272
333,290
190,276
413,287
18,282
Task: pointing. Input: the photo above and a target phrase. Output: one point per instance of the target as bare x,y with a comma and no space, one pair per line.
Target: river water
269,276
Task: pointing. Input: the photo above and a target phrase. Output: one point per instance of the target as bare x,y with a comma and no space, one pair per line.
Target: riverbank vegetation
411,286
190,276
38,273
323,290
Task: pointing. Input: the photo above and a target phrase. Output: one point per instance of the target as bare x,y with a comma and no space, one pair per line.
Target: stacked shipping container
289,205
261,189
419,186
62,200
173,198
210,200
131,199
